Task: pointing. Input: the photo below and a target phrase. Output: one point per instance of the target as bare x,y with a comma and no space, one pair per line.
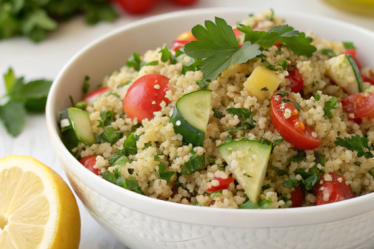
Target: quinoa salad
256,115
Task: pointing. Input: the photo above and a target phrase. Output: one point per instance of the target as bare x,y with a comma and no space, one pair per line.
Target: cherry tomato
237,33
277,44
337,190
353,52
136,6
356,120
297,83
223,184
182,40
361,104
291,129
89,162
297,197
145,96
92,96
367,79
184,2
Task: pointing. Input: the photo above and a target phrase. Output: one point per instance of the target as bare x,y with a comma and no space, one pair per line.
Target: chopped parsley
357,163
349,45
246,115
299,157
110,135
297,106
328,52
261,204
215,194
192,65
320,159
106,118
282,94
264,89
162,174
265,187
157,156
329,105
268,65
203,84
356,143
291,183
228,139
247,175
146,145
81,105
86,84
116,178
283,64
281,172
211,159
194,164
311,177
217,113
371,172
316,96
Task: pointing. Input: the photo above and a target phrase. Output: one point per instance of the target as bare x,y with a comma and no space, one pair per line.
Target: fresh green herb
81,105
166,55
281,172
349,45
250,15
218,48
247,116
221,167
135,127
247,175
269,66
215,194
203,84
261,204
357,163
106,118
152,63
286,100
265,89
295,40
114,94
264,141
146,145
228,139
199,204
35,19
329,105
71,100
157,156
282,94
118,158
328,52
129,145
320,159
277,141
273,167
217,113
291,183
271,18
299,157
110,135
116,178
192,65
297,106
86,84
371,172
356,143
135,62
311,177
283,64
316,96
195,163
212,159
162,174
265,187
22,97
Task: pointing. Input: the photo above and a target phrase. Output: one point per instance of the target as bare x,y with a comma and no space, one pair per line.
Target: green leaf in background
34,89
9,79
9,25
12,115
96,12
36,105
36,25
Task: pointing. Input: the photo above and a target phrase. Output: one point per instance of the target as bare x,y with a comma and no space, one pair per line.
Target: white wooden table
44,60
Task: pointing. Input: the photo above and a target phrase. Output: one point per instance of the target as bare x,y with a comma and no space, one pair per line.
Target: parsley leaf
299,157
261,204
316,96
86,84
265,89
218,46
295,40
265,187
110,135
203,84
246,115
228,139
162,174
116,178
165,54
329,105
328,52
129,145
349,45
356,143
357,163
291,183
192,65
311,177
106,118
194,164
217,113
297,105
135,62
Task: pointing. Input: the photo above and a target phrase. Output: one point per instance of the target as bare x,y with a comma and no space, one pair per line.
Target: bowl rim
170,211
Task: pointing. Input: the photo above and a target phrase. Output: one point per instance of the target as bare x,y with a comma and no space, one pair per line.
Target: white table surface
47,58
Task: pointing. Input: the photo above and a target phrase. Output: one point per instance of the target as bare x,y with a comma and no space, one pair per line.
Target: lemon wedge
37,208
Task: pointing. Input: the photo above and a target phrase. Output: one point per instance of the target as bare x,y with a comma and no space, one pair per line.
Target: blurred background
38,37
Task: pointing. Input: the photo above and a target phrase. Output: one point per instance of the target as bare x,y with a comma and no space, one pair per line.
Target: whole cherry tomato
145,96
290,127
89,162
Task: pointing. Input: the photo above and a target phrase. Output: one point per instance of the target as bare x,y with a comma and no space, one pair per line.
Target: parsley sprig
356,143
247,116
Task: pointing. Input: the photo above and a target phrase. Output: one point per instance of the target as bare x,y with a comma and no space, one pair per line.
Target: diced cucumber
64,120
81,123
250,168
191,115
344,72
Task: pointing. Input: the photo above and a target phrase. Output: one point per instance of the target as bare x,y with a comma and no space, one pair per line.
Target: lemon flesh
37,208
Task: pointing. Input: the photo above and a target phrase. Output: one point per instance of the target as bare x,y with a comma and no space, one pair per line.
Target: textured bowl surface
142,222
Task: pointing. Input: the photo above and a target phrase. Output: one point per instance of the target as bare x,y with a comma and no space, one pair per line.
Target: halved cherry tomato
291,129
353,52
356,120
360,104
182,40
297,197
367,79
337,190
145,96
185,2
297,83
89,162
223,184
92,96
136,6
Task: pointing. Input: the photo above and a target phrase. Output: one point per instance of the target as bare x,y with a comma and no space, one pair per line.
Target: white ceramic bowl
142,222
